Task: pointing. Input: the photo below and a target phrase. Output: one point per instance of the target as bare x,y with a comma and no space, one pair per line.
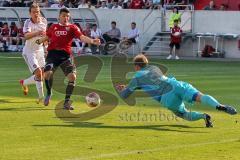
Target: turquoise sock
210,101
193,116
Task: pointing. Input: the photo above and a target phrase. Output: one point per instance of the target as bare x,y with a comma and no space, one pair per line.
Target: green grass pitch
33,132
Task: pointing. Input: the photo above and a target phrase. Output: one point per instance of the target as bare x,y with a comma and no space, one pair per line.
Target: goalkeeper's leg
191,94
212,102
193,115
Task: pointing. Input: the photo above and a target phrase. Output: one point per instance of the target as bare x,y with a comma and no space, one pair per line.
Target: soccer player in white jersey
34,28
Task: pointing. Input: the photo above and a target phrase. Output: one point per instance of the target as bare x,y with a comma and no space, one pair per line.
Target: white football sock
39,86
29,80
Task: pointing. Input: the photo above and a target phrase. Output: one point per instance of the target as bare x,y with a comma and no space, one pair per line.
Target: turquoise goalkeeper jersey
168,91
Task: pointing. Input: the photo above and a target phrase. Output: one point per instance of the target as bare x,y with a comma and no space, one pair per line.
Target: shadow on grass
3,101
24,109
140,127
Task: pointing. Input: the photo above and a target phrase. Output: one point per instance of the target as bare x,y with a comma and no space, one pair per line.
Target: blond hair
140,60
34,5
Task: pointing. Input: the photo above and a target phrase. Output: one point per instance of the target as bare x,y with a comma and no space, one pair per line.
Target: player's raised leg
191,94
25,82
212,102
35,64
30,80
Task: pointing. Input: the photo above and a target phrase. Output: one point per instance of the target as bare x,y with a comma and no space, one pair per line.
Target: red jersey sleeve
172,31
76,32
50,31
142,4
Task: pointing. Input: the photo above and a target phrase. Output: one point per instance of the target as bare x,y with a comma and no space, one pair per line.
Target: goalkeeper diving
170,93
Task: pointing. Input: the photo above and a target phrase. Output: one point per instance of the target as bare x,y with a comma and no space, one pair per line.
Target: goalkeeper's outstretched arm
126,91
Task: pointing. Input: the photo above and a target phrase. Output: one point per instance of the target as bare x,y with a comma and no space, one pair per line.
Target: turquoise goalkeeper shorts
181,92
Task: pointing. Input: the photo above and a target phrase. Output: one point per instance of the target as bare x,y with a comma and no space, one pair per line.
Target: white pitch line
2,57
154,150
7,81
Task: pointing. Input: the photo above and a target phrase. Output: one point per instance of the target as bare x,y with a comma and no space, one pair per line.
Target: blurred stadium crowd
101,4
12,37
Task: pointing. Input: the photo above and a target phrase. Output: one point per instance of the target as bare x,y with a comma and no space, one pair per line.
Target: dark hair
49,25
175,20
13,23
34,5
176,9
64,10
134,23
140,60
113,22
77,24
94,25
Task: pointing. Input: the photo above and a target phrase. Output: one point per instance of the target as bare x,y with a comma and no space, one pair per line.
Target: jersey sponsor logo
60,33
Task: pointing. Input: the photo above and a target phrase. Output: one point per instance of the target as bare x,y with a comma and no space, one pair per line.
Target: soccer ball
93,99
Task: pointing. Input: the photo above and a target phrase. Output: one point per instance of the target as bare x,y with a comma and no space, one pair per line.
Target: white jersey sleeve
44,21
27,26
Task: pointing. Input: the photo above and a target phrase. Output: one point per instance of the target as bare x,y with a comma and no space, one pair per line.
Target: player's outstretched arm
30,35
120,87
42,40
123,90
126,91
90,40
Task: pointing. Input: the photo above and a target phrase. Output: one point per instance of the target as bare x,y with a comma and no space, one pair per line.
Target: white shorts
34,60
5,38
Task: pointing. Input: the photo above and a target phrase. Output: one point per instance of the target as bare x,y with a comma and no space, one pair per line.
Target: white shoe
169,57
177,58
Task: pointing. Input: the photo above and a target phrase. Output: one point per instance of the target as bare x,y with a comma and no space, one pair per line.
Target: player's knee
47,75
197,97
38,74
72,77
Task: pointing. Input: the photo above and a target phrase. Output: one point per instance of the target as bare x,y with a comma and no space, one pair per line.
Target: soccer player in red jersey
176,39
5,34
60,38
13,35
137,4
20,35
